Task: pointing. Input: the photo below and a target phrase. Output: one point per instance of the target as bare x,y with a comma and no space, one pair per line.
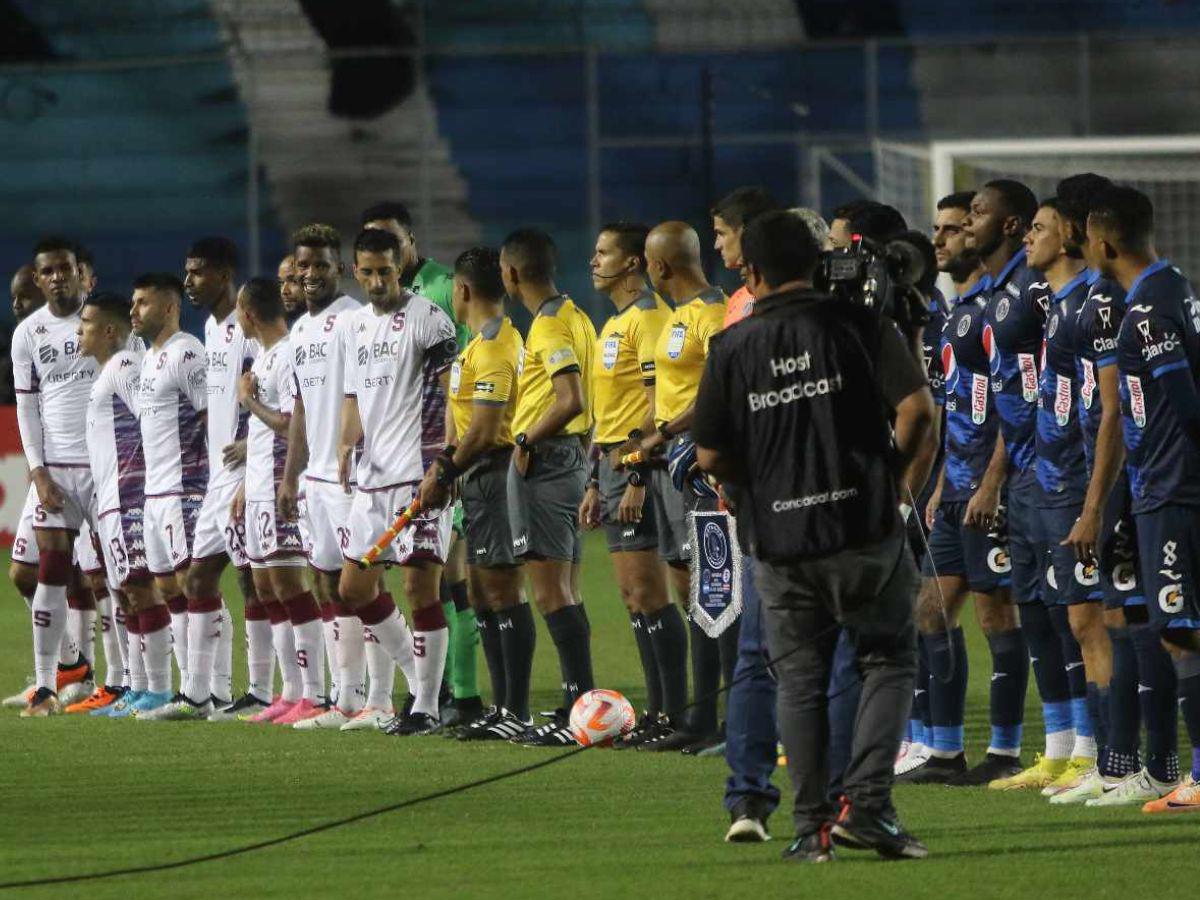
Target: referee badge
675,341
611,347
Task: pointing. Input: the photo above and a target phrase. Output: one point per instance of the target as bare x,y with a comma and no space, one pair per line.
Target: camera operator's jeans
750,732
871,591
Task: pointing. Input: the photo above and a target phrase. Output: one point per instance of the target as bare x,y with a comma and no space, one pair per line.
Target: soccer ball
599,716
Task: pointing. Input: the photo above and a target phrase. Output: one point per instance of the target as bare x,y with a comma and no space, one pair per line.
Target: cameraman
795,417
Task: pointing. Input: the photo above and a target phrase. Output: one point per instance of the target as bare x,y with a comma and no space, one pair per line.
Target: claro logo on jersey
1137,400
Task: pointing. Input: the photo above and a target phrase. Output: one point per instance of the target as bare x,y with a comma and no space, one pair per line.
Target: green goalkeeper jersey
435,281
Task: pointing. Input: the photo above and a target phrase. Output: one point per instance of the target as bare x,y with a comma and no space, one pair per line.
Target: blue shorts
1068,581
1119,568
1025,544
979,556
1169,548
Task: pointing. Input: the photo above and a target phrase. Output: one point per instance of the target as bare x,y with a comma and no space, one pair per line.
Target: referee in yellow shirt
623,379
675,270
548,472
482,405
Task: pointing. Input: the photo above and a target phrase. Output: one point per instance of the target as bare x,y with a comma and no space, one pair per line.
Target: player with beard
623,386
1158,358
172,400
318,347
210,283
399,351
1014,322
964,561
52,382
430,279
1143,678
119,472
291,290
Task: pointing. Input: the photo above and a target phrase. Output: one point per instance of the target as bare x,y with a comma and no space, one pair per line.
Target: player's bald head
23,280
675,243
24,291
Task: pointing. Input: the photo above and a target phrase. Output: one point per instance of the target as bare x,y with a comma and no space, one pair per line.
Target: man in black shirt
793,417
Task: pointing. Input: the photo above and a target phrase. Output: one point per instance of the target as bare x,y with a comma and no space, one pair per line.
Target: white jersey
319,359
393,365
172,397
47,363
266,451
114,436
228,353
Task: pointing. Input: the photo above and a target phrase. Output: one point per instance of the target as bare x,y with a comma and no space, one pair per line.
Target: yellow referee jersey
681,351
625,353
561,339
486,373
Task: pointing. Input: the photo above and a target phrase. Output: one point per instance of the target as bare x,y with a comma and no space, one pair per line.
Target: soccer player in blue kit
1062,475
1017,302
1158,359
964,559
1143,678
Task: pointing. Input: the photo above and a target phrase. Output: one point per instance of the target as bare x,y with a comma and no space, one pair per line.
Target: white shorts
123,546
372,512
271,542
87,553
216,532
168,525
325,519
75,482
25,548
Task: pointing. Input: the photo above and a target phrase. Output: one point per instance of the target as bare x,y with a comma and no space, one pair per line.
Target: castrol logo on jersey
1027,366
1087,390
1062,400
1137,400
979,389
950,368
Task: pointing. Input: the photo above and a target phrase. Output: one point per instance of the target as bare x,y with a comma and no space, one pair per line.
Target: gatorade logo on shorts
1086,574
998,561
1170,599
1051,579
1124,576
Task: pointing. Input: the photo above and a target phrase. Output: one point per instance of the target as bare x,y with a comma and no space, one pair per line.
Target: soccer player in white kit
318,350
172,399
210,283
119,474
52,382
273,543
398,356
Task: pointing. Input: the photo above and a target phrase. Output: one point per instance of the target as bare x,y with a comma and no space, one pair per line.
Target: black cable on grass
379,811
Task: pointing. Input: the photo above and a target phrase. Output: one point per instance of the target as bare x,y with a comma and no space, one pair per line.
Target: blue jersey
1014,321
1061,466
931,346
1096,330
971,423
1160,334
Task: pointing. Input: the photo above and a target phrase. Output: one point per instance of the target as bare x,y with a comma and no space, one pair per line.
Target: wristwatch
635,478
522,441
636,434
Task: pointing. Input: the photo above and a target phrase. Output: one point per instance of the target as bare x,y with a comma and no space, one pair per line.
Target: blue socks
919,716
1010,679
1156,697
1119,756
1046,654
947,689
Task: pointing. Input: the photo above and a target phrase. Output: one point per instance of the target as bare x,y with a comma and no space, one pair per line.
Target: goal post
912,177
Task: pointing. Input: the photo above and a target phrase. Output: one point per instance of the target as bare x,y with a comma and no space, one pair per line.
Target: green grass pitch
80,794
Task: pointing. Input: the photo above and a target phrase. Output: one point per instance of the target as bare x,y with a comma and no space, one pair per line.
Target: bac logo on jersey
611,346
1137,400
675,341
47,355
363,355
301,356
998,561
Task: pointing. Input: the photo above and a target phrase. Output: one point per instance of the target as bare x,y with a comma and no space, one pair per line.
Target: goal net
912,177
